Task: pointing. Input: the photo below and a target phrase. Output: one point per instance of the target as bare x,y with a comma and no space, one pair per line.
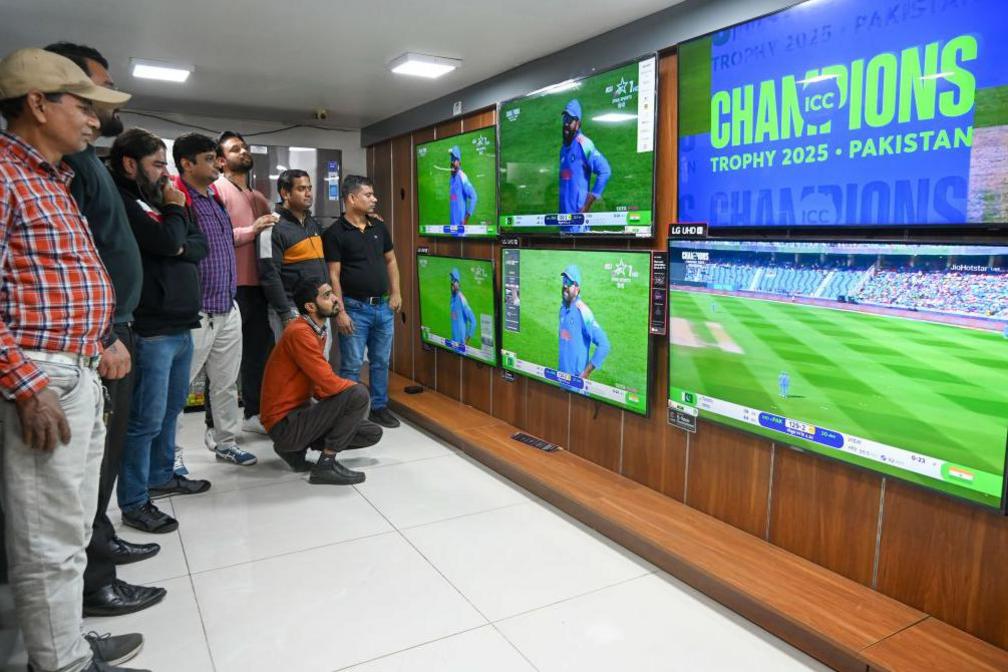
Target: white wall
348,141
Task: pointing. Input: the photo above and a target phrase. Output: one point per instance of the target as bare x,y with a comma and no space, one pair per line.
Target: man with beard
297,370
98,198
250,214
461,194
463,320
579,159
171,246
578,330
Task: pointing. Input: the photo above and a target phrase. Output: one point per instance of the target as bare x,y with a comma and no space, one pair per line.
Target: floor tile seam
290,553
515,647
415,646
573,597
463,515
196,600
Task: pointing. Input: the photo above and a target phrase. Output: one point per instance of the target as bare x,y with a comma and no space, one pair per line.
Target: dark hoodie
170,299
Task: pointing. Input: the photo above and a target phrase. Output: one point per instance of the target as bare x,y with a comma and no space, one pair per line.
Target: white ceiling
281,59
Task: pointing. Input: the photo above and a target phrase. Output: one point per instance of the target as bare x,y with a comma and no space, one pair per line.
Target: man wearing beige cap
56,307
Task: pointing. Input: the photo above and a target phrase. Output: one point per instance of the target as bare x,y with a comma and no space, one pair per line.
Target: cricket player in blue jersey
461,194
578,330
783,384
463,320
579,159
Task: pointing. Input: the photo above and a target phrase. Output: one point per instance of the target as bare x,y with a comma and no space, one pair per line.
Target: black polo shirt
361,255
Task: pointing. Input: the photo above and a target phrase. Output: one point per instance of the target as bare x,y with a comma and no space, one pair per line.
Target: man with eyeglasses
56,310
98,198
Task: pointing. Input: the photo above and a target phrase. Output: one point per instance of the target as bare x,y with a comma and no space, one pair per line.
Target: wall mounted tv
891,357
578,157
457,305
457,185
579,320
848,113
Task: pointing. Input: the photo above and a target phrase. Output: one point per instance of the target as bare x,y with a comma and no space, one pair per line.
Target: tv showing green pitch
578,157
456,185
892,357
579,320
457,306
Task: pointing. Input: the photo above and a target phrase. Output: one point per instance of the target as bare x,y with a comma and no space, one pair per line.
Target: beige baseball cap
27,70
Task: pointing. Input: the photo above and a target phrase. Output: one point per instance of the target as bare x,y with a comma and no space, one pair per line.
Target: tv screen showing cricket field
457,185
578,157
848,113
579,320
457,305
891,357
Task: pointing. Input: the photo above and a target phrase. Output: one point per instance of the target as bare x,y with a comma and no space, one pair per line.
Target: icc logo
820,97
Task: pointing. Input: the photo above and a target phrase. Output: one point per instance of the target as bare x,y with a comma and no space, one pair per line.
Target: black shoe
123,552
179,485
149,518
114,650
119,598
383,417
295,460
330,472
368,434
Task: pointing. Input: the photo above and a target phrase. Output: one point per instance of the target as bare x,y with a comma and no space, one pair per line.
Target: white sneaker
180,468
253,425
208,440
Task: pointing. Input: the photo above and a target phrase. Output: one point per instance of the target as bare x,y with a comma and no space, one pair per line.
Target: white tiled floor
433,564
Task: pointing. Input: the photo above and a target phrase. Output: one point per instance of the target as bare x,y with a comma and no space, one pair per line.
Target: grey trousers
49,502
331,424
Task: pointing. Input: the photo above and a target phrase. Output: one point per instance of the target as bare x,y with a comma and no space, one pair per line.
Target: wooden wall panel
825,511
547,412
479,119
596,430
654,452
424,358
406,322
947,558
728,476
508,399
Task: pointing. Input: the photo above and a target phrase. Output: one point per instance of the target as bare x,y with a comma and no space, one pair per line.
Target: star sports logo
512,115
479,274
622,92
482,144
622,273
422,152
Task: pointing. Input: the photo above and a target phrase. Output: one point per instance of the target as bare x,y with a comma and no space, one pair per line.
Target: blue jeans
373,327
161,365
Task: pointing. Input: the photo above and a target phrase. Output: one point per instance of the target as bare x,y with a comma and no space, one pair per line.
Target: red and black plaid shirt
54,292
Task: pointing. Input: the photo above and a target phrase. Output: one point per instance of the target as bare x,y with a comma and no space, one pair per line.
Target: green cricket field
433,172
615,286
477,285
931,388
531,134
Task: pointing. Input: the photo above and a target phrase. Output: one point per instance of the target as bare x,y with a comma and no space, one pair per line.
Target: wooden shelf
834,619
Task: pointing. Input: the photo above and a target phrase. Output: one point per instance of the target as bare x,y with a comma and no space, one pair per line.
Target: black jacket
287,252
171,297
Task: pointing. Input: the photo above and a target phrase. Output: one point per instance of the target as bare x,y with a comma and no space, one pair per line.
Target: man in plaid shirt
56,306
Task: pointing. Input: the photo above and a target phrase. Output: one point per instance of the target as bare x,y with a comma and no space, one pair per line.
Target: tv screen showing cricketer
577,158
848,113
457,185
579,320
892,357
457,306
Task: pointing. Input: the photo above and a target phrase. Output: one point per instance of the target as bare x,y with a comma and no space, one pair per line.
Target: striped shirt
54,292
218,271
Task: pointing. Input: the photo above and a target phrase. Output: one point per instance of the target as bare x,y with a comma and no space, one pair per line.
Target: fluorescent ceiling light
556,88
165,72
614,117
423,65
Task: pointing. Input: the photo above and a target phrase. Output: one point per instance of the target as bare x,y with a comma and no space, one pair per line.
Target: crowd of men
121,284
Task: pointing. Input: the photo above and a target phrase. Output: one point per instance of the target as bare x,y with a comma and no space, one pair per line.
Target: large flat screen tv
457,306
457,185
579,320
890,357
578,157
848,113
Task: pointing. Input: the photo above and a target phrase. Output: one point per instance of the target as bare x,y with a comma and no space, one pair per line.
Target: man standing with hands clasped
365,280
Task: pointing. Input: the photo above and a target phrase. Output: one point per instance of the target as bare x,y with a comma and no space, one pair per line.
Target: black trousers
257,343
101,570
329,425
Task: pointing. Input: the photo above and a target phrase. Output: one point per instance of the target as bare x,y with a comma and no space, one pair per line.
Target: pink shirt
244,207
